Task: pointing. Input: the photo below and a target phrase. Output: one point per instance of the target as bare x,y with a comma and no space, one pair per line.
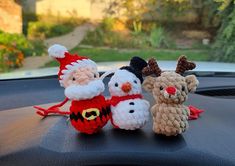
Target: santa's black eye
74,79
183,88
161,88
94,75
116,84
135,81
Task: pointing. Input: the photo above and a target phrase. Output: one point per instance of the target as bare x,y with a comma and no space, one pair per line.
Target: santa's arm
52,110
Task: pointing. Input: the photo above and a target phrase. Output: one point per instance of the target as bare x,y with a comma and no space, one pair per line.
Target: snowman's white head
128,79
123,83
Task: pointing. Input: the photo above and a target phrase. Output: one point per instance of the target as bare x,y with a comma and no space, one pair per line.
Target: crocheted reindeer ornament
129,110
170,89
89,111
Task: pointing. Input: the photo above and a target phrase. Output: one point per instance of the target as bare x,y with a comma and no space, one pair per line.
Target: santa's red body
89,116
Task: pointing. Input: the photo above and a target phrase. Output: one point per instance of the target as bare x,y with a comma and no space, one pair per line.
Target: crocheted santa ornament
89,110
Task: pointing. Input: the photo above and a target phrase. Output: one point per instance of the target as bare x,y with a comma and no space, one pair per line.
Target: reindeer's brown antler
152,68
184,65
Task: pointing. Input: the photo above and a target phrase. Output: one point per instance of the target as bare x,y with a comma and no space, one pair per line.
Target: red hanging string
53,109
194,112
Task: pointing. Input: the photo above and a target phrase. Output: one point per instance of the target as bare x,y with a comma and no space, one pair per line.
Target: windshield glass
110,32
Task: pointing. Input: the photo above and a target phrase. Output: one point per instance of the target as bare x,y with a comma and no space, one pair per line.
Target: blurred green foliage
46,26
44,30
100,37
13,49
10,58
137,26
113,55
159,38
20,42
108,24
224,46
146,37
224,3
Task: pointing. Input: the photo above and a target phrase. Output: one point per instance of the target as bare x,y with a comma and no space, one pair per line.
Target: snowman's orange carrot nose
126,87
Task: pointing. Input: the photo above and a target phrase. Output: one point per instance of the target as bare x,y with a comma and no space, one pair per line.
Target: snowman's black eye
183,88
135,81
73,78
116,84
132,103
161,88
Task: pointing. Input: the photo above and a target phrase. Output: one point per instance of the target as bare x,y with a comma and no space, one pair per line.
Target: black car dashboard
28,139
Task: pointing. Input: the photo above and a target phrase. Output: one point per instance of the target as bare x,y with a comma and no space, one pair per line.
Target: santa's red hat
68,62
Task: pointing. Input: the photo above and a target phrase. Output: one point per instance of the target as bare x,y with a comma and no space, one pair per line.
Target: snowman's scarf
116,99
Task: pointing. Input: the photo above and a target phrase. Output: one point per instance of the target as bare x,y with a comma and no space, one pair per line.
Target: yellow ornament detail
91,113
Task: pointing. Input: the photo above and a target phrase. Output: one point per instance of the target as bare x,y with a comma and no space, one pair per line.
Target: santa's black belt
81,116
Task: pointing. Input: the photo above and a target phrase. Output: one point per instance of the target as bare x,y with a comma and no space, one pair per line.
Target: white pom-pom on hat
57,51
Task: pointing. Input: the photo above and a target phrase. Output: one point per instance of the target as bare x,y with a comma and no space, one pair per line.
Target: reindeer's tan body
170,89
170,119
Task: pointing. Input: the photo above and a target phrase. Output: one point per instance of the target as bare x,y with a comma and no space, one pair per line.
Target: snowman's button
132,103
131,111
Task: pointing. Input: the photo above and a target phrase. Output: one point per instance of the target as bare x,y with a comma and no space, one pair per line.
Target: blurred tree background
224,46
154,23
203,28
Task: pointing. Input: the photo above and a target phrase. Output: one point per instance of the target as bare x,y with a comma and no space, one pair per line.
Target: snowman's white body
129,114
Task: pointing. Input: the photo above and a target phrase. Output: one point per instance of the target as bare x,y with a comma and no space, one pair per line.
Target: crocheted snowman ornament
89,111
129,110
170,90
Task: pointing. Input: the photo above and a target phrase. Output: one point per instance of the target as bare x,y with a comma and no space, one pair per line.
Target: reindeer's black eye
116,84
135,81
161,88
183,88
73,78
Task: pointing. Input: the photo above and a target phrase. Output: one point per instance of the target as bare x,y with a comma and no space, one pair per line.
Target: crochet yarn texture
170,90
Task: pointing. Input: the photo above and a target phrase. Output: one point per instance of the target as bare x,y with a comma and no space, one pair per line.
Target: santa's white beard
82,92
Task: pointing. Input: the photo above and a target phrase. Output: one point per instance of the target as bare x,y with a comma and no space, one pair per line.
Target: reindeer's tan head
170,86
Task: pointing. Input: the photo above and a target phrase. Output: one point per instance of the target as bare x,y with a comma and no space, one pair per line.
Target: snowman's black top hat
136,66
